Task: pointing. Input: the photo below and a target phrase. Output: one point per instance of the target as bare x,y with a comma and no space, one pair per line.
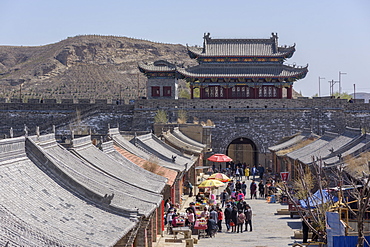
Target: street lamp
340,85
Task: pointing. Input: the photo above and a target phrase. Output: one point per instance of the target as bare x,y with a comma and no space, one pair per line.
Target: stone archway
242,150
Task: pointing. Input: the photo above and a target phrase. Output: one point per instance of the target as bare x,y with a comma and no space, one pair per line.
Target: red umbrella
220,158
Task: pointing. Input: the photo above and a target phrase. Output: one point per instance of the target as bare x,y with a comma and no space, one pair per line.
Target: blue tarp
347,241
316,199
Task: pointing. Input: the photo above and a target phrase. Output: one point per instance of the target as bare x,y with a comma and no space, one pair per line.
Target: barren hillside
82,67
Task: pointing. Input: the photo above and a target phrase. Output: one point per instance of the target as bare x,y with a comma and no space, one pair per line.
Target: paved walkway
269,230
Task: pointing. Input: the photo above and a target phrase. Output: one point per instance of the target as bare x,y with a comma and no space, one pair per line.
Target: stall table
185,230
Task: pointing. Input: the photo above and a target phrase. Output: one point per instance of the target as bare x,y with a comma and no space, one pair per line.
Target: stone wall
262,121
94,117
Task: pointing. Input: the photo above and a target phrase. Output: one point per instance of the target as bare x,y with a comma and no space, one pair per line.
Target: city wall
264,122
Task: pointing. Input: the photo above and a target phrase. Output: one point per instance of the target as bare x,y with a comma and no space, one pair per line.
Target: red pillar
256,92
289,92
279,92
191,92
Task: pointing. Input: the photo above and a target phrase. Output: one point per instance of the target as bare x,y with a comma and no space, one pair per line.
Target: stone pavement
269,230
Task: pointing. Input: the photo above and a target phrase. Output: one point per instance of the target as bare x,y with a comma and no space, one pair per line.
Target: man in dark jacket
248,217
227,215
211,226
234,218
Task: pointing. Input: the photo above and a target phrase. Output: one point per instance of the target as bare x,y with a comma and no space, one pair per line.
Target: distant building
229,69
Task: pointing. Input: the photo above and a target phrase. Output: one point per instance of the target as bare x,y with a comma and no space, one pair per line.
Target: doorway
243,150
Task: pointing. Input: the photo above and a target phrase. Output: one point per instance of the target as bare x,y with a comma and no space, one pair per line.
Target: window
166,91
155,92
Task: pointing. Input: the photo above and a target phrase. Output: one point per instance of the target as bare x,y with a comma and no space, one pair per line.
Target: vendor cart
201,227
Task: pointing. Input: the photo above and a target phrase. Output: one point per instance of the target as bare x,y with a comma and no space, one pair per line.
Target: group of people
240,170
236,215
232,209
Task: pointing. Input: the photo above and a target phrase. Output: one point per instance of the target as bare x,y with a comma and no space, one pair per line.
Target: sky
332,37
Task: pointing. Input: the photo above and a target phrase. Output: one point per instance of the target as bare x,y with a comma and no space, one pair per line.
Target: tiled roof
113,168
244,71
160,66
176,132
333,145
180,144
294,140
138,151
160,149
242,47
37,210
354,148
309,149
112,151
169,174
94,183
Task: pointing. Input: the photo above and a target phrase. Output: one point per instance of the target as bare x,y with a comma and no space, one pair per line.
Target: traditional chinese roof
241,48
37,210
246,71
167,173
89,181
120,141
176,132
128,163
162,150
180,144
151,188
291,141
333,145
157,66
353,149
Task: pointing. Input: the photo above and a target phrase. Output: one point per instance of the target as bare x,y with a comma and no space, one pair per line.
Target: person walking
220,217
190,187
246,172
234,218
224,198
254,172
240,220
237,173
227,215
261,171
244,188
253,189
261,189
248,217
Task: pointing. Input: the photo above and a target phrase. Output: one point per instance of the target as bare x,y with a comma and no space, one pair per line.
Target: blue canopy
316,199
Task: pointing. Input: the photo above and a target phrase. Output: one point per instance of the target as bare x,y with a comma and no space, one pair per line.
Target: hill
83,67
89,66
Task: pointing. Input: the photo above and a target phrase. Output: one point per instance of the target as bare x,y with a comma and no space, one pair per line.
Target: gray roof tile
139,151
45,213
160,149
242,47
243,71
96,180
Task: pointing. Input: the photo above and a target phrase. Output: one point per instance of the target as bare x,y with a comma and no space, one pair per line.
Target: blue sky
330,36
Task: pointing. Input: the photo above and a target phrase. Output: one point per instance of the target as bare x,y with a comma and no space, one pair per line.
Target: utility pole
332,83
340,85
320,78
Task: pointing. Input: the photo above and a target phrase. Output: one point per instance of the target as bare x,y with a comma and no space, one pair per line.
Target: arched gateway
243,150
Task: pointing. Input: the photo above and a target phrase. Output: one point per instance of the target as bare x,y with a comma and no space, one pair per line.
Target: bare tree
310,186
354,173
